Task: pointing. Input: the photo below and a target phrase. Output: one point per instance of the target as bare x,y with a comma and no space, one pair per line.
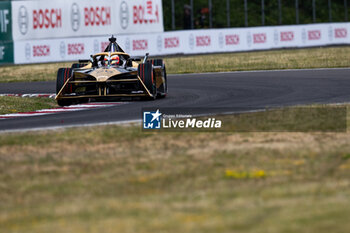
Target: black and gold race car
110,75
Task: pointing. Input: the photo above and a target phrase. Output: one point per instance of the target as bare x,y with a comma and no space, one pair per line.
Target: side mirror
145,58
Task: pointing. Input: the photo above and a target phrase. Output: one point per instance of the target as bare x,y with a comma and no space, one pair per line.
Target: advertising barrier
6,44
64,18
6,52
5,21
186,42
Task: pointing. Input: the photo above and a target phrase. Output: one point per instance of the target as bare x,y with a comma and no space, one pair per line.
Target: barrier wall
66,18
186,42
6,44
28,27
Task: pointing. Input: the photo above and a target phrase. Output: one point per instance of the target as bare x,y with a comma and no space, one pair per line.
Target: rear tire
78,65
156,62
146,73
63,74
163,89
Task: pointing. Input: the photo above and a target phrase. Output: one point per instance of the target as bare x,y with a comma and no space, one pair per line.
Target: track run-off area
232,91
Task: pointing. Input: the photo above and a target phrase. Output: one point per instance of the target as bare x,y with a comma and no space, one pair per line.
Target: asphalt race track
237,91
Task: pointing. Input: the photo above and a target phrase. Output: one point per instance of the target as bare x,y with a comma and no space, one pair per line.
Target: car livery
110,75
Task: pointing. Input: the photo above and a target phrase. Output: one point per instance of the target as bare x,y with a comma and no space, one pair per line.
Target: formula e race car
110,75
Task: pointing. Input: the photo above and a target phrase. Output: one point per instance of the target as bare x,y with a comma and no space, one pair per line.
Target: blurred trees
219,12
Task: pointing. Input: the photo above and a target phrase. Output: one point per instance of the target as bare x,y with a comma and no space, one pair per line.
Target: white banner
37,51
65,18
186,42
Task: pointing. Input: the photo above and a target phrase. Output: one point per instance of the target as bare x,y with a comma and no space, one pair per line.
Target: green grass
311,118
30,73
18,104
120,179
330,57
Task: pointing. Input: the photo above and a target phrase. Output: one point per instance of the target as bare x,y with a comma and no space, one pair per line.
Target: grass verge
10,104
330,57
119,179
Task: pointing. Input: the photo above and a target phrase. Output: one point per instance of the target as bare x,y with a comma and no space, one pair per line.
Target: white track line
41,95
71,108
54,128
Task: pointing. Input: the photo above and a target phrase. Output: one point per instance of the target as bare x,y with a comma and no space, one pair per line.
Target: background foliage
254,12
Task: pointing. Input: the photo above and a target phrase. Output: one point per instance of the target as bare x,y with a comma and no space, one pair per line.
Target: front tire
146,73
63,103
63,74
163,88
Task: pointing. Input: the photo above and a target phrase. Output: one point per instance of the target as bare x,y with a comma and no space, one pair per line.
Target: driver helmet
114,60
